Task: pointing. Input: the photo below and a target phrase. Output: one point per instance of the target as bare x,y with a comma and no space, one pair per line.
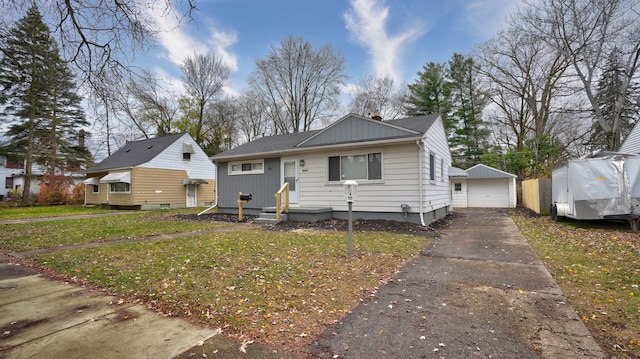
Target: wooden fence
536,195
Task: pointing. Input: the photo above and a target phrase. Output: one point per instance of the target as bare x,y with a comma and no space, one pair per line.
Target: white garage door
490,193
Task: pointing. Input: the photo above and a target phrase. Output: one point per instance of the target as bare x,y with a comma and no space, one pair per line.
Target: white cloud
366,21
178,43
486,17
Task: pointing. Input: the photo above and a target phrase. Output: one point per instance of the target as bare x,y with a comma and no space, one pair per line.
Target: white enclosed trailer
603,187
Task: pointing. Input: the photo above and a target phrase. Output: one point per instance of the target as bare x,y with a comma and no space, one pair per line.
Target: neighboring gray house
401,167
482,186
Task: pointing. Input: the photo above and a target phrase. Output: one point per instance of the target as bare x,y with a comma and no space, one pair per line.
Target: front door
289,173
191,195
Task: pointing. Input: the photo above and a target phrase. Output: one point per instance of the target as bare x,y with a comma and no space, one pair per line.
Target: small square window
96,188
186,156
458,187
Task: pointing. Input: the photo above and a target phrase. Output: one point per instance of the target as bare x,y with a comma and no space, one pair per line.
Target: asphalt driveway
478,291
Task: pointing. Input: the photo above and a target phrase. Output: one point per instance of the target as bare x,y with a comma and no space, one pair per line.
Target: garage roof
481,171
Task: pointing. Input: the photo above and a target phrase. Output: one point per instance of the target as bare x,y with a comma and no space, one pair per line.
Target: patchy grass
25,236
10,213
275,287
597,266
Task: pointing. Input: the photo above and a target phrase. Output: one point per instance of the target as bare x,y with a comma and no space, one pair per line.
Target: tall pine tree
431,94
467,102
40,102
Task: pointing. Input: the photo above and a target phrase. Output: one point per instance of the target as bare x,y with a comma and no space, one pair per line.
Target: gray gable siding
262,187
356,129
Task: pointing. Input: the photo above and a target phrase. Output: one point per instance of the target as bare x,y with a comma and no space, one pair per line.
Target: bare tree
585,32
252,117
100,35
297,83
524,80
204,78
377,95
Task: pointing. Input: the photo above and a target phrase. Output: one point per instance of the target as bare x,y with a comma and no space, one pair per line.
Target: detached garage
482,186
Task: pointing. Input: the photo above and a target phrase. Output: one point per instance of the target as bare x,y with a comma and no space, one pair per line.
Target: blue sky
376,37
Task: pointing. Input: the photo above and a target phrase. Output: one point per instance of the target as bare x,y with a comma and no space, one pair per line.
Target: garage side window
458,187
355,167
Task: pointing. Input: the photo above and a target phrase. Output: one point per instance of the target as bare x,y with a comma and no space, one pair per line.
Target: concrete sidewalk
42,318
478,291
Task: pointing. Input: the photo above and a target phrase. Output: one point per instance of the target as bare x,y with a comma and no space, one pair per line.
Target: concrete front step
270,218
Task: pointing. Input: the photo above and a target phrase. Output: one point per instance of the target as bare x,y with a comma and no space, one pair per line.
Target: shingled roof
135,153
410,127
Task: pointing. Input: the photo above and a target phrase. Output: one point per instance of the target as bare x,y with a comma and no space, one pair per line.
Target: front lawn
597,266
11,213
25,236
281,288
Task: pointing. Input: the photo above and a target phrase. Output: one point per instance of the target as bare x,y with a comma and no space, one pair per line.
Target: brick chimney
376,116
81,136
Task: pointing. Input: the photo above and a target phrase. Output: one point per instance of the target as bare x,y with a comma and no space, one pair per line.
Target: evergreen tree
469,140
617,108
432,94
39,99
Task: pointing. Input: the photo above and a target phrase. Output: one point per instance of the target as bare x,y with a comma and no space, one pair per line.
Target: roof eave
280,153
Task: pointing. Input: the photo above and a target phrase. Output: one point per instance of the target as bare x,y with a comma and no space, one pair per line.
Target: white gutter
215,204
420,181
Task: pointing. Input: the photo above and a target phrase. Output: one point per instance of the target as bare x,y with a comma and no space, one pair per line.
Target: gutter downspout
215,204
420,181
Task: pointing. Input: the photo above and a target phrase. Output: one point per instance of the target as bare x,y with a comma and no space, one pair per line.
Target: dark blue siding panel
262,187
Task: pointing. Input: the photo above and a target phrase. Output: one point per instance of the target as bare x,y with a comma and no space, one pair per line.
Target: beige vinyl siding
153,186
101,196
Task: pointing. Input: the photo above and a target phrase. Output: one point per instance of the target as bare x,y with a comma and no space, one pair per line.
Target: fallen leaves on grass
598,269
266,286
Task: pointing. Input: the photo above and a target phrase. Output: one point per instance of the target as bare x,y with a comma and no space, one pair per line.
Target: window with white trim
119,187
96,188
356,167
246,167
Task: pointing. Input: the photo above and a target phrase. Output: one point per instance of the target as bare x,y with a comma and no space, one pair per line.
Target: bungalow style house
482,186
400,166
169,171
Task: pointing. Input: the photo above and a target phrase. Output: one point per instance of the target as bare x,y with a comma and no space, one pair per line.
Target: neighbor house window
119,187
96,188
248,167
8,182
186,156
432,167
356,167
13,162
458,187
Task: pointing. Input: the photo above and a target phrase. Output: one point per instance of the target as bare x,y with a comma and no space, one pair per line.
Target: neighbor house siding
121,199
199,166
262,187
101,196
